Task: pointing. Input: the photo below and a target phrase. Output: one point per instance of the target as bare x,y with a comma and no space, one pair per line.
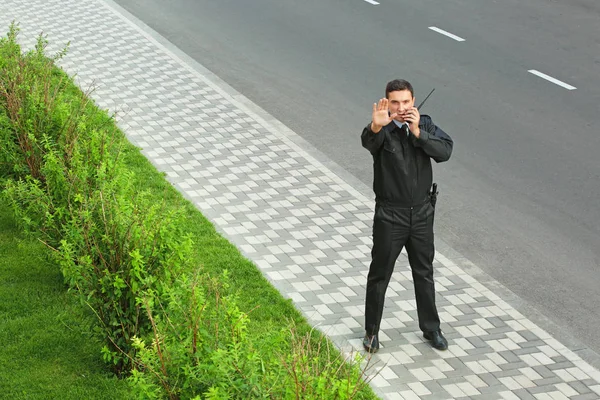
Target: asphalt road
520,195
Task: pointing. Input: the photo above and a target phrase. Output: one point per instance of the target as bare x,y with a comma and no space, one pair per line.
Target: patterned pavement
304,226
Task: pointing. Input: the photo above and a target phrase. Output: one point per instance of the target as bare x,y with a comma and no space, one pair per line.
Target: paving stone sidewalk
306,228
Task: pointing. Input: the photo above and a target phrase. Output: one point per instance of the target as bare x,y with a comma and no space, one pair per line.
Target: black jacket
402,164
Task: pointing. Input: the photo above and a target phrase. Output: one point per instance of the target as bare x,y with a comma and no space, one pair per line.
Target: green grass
47,351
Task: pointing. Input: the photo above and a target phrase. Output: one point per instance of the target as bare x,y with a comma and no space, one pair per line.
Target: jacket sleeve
434,141
370,140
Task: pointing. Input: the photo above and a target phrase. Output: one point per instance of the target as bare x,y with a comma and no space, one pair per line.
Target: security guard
402,143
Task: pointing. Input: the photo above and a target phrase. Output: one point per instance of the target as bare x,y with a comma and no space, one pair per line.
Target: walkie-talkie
433,195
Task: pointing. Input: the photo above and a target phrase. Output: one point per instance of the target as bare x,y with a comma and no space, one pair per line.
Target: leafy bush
30,88
200,348
68,186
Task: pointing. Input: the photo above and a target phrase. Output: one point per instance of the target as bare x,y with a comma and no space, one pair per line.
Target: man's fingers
374,107
394,115
411,113
382,104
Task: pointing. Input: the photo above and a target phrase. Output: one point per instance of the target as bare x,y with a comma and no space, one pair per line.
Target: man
402,143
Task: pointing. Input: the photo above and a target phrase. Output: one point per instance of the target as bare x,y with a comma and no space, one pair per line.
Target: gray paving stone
529,336
541,388
544,371
396,386
579,387
548,381
560,365
510,357
513,366
523,394
434,387
587,396
479,351
559,359
403,374
489,379
490,390
528,348
588,382
478,342
485,396
436,396
507,372
501,329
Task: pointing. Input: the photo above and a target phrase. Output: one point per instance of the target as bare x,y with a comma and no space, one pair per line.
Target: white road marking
551,79
372,2
450,35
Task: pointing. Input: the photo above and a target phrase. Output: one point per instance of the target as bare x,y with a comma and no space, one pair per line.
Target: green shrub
30,87
133,246
68,187
200,348
199,345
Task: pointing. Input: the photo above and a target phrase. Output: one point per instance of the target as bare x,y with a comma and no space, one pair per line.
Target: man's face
400,101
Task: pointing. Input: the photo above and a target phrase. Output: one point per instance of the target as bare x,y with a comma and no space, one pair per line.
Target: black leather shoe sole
440,346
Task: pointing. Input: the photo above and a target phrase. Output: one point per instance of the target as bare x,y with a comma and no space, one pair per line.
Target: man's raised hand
381,116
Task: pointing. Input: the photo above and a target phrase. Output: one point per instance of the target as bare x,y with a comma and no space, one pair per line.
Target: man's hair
397,85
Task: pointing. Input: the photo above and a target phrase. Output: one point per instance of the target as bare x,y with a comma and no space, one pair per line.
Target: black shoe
371,343
438,341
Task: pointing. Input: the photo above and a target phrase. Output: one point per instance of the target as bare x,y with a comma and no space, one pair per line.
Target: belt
395,204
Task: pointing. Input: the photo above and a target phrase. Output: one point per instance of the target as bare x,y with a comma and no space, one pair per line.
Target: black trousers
394,228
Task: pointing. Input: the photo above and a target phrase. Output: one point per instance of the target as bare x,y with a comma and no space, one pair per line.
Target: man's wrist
375,128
